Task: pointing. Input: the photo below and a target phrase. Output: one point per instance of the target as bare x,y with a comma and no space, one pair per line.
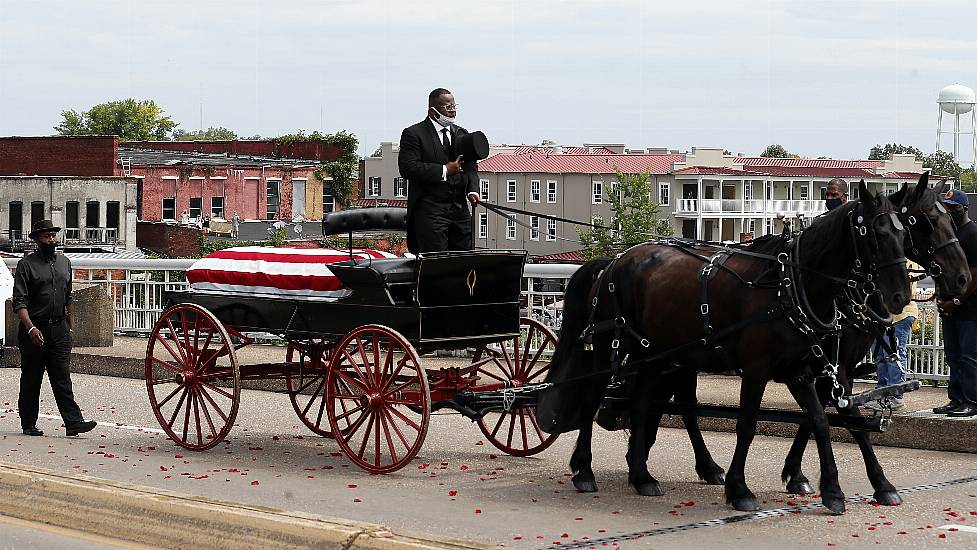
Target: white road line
105,424
965,528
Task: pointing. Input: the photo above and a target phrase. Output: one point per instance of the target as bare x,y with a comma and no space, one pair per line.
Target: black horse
764,309
930,241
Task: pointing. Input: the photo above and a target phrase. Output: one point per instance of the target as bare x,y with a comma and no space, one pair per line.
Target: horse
760,309
930,241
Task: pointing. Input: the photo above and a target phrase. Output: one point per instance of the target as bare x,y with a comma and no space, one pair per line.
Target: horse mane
766,244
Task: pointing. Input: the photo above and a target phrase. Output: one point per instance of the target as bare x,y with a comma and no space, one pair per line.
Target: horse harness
791,304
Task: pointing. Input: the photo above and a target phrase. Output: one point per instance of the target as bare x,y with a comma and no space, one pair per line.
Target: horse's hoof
649,489
834,504
800,487
745,504
888,498
714,478
585,485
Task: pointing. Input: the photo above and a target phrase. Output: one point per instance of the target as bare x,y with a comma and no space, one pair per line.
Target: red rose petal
255,482
478,510
351,485
452,493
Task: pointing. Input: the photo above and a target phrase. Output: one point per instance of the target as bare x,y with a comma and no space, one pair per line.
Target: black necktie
445,141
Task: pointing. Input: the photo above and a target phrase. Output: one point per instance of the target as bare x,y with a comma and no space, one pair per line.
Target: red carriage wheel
192,376
517,362
377,398
307,386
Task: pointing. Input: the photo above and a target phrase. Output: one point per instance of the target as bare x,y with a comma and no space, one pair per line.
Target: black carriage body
437,301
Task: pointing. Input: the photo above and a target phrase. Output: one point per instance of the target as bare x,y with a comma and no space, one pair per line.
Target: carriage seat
392,270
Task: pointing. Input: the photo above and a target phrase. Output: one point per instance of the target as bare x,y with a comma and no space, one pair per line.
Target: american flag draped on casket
282,272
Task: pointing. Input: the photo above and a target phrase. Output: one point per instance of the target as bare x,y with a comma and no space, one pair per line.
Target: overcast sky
820,77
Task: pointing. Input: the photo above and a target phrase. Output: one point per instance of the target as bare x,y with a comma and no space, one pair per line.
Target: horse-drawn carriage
353,365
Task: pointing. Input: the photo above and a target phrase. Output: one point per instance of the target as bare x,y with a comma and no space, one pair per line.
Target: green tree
943,164
130,119
210,134
885,152
968,180
634,217
777,150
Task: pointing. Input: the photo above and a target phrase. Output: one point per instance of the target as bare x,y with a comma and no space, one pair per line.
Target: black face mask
831,204
959,217
48,248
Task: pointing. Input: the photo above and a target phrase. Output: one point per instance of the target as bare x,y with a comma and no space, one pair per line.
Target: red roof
580,164
820,163
913,175
564,149
402,203
813,171
572,256
713,171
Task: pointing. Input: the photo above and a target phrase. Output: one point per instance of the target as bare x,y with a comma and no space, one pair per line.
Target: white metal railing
743,206
137,287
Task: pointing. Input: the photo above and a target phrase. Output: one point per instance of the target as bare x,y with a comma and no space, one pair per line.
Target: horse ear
924,183
864,195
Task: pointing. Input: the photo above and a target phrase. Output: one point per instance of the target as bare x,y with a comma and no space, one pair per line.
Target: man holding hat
960,318
42,301
439,160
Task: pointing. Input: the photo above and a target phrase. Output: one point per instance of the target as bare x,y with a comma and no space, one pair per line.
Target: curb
167,519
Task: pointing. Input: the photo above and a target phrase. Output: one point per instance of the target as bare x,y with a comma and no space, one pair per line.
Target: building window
598,192
37,212
374,187
534,191
196,205
748,191
751,227
112,212
328,203
804,192
272,211
400,187
551,191
217,207
510,195
482,226
510,229
92,217
16,222
664,192
534,225
71,215
483,190
550,230
169,208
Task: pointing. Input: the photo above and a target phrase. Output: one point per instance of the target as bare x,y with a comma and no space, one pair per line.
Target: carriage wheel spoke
170,396
366,362
344,375
524,363
210,421
213,403
406,420
347,414
364,379
393,376
176,340
212,355
308,405
196,415
322,405
377,370
522,424
498,424
179,404
366,434
167,365
386,433
393,423
354,427
396,389
186,337
215,374
376,440
542,370
512,429
493,376
539,432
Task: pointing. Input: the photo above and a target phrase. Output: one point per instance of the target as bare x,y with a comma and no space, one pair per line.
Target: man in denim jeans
960,319
892,362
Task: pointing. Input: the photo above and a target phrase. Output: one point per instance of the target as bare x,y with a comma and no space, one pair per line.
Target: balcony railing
744,206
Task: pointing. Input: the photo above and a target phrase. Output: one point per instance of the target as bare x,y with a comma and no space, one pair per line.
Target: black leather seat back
389,218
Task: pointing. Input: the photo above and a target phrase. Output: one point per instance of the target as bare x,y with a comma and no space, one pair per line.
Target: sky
822,78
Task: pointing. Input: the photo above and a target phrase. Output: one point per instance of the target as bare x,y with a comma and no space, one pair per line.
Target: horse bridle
934,269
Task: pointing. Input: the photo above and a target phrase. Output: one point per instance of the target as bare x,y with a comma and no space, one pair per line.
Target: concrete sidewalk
915,426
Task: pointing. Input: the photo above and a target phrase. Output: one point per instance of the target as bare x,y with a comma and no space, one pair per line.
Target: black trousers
440,227
53,356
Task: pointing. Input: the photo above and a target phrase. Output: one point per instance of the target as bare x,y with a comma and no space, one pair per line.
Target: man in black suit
439,179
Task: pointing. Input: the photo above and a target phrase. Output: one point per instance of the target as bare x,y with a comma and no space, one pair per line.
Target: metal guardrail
136,287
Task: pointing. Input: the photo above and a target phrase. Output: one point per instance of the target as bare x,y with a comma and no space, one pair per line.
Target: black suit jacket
421,159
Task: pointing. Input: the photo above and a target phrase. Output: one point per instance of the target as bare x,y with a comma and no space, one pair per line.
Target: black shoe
81,427
963,411
33,431
952,405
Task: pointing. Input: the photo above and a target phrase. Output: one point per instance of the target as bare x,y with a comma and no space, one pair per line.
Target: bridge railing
137,289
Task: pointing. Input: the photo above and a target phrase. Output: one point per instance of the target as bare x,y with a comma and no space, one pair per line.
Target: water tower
957,100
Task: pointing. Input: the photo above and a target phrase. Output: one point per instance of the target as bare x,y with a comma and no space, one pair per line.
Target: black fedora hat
43,226
474,146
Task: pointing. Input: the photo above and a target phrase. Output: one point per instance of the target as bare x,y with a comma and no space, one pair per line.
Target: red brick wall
170,240
306,150
247,196
59,156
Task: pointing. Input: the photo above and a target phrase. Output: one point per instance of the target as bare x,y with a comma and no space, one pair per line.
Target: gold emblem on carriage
471,280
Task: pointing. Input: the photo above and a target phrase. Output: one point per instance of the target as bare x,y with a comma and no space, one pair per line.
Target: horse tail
576,308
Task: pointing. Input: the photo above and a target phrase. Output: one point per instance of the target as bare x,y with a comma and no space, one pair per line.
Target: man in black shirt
960,319
42,301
